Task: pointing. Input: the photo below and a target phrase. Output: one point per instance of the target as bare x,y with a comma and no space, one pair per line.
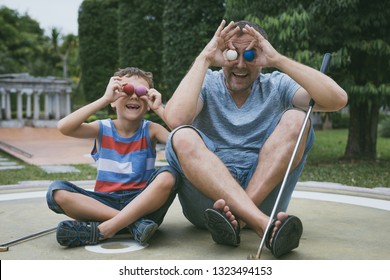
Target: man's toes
220,204
282,216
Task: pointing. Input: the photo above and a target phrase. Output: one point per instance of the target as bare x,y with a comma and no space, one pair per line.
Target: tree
140,36
188,26
359,32
25,48
98,45
21,42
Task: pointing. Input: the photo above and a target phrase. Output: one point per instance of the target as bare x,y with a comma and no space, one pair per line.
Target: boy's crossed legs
142,211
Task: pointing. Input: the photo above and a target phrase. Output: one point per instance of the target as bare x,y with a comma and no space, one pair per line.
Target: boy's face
131,107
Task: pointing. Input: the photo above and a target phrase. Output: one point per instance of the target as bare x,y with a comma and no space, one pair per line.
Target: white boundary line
346,199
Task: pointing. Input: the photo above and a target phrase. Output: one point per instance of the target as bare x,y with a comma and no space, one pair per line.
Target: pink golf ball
140,90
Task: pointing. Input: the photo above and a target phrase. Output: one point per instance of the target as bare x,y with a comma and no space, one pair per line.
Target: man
235,132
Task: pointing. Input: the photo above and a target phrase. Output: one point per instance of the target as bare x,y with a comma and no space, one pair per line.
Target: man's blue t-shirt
239,133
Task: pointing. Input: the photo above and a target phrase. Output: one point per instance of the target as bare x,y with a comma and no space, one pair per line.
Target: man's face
241,75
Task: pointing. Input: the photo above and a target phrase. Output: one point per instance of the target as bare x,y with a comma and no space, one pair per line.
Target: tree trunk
363,127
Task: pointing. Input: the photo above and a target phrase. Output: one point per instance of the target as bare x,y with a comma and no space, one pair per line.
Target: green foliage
384,127
21,42
25,48
98,38
188,27
140,36
339,120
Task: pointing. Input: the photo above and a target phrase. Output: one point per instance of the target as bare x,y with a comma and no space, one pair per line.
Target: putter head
3,248
253,257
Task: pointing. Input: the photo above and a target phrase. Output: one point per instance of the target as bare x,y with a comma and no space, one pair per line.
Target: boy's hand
153,98
114,90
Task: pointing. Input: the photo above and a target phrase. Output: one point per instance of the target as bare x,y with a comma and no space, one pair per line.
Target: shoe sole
147,234
222,231
287,237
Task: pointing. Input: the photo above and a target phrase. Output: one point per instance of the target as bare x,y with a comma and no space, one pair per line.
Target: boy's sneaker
142,230
77,233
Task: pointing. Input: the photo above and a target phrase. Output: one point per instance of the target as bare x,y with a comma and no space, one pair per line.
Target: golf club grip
325,63
323,69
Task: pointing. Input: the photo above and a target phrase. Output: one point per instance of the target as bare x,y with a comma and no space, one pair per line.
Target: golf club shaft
324,68
27,237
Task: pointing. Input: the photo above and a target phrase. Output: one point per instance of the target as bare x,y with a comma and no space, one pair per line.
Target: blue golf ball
249,55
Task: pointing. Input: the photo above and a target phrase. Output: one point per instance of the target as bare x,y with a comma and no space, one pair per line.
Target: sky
61,14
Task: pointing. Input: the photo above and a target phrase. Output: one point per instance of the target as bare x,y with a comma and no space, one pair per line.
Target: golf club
324,68
5,246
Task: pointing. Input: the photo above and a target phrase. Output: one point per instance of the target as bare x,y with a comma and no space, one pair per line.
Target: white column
67,108
57,105
7,106
19,105
28,105
36,106
47,106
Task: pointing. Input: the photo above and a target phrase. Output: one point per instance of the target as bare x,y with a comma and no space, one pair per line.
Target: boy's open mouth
133,106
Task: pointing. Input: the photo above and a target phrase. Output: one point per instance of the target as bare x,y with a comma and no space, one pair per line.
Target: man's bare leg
276,154
197,161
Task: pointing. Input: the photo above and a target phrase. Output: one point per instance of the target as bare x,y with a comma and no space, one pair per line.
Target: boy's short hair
134,71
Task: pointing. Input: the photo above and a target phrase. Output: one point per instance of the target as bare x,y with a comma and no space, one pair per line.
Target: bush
384,128
339,120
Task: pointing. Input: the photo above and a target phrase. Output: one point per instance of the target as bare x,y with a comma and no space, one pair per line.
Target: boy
129,192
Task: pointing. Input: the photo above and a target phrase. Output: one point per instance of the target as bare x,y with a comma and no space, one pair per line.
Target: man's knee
184,139
292,121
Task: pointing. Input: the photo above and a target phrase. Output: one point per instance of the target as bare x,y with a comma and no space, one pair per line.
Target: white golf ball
231,54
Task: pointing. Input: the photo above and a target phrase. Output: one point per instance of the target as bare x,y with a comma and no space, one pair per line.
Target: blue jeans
194,203
117,200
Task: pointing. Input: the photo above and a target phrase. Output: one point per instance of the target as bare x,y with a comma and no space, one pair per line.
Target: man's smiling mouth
240,75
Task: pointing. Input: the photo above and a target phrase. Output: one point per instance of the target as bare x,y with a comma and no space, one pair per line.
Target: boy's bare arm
74,124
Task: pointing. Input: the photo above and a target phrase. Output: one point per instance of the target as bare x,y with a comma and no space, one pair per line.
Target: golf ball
140,90
231,54
128,89
249,55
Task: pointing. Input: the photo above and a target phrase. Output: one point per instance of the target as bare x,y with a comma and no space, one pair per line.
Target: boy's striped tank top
123,163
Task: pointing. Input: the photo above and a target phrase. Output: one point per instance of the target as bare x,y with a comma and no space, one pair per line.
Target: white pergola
25,92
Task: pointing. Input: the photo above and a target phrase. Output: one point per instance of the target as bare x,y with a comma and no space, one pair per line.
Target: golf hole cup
231,55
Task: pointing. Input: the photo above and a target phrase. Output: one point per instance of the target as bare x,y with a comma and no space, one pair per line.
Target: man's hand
215,50
266,55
